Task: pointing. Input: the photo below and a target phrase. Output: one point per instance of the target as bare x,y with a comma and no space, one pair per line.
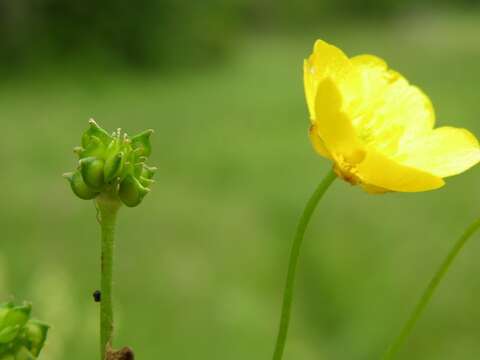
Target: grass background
201,264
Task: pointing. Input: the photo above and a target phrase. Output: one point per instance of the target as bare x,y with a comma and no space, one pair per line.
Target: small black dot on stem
97,296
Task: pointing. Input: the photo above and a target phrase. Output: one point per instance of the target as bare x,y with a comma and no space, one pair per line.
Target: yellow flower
377,128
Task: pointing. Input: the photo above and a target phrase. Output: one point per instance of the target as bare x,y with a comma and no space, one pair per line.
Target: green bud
92,172
141,143
132,191
112,164
79,188
20,337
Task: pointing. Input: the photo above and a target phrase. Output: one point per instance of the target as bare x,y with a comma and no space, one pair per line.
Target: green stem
292,266
429,291
108,207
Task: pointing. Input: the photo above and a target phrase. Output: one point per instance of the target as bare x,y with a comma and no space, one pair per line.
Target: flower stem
108,207
429,291
292,266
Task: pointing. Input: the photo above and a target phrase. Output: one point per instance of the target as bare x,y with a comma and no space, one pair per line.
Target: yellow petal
317,142
333,125
382,172
370,61
326,60
390,112
445,151
372,189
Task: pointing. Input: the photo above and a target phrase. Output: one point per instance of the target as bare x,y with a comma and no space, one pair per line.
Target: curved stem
292,266
429,291
108,208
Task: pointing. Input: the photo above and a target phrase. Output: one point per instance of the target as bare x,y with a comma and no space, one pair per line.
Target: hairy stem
292,266
108,207
430,290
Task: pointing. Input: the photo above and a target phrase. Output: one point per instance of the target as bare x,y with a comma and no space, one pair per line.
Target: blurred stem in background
108,208
292,266
429,291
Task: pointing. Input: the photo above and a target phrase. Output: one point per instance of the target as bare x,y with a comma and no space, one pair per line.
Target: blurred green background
201,264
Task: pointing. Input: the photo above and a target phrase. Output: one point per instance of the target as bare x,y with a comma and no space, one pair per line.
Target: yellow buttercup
377,128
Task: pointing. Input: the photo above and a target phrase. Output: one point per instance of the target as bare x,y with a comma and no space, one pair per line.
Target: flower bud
112,164
20,337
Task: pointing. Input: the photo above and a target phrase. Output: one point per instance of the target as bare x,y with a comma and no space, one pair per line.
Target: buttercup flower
20,337
377,128
113,164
